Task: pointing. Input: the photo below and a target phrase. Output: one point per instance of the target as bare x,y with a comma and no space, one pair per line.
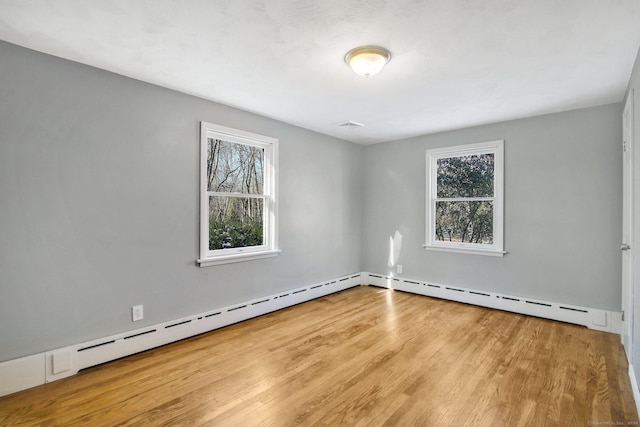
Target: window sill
485,252
228,259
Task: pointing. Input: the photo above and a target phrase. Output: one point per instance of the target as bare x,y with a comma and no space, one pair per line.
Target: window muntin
238,188
465,198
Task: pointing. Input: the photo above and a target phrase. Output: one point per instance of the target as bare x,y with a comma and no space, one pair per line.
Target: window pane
470,222
235,222
466,176
234,168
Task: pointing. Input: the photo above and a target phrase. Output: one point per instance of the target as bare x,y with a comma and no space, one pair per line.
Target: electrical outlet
137,313
399,268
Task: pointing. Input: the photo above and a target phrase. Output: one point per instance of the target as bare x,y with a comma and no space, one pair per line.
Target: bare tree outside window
235,174
238,195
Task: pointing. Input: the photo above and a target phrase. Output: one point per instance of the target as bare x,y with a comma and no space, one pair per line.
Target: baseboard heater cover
601,320
34,370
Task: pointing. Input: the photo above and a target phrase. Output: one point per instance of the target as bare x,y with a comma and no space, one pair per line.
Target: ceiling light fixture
367,61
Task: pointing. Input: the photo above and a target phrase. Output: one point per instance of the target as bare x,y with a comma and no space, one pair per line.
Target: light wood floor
364,357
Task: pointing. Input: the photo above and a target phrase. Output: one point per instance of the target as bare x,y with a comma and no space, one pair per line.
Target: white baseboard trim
634,386
601,320
37,369
20,374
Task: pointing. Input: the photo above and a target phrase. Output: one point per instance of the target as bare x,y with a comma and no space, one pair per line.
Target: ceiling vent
350,124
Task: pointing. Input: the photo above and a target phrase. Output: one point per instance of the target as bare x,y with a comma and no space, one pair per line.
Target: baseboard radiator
31,371
601,320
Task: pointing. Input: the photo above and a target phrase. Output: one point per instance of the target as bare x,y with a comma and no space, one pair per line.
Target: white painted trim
592,318
270,196
37,369
238,257
27,372
432,157
20,374
464,250
237,135
634,387
628,233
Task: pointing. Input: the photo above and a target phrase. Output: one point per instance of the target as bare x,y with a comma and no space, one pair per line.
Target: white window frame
432,156
270,247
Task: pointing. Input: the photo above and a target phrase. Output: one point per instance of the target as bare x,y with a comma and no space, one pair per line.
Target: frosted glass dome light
367,61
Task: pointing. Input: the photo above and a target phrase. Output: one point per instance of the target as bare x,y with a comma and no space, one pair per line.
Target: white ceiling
456,63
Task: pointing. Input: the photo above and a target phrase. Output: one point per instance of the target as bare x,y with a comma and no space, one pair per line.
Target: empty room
296,212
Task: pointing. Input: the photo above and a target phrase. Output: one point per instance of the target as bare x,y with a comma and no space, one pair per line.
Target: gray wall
99,205
562,209
634,84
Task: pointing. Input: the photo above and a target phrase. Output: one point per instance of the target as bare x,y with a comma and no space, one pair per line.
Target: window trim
432,156
270,247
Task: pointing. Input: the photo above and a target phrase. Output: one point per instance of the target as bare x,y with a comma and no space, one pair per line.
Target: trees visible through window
235,182
238,205
464,193
464,204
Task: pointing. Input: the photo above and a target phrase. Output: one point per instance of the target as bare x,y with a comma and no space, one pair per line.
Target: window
238,205
465,198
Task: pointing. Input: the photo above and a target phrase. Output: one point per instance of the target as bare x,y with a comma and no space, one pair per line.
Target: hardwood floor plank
362,357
